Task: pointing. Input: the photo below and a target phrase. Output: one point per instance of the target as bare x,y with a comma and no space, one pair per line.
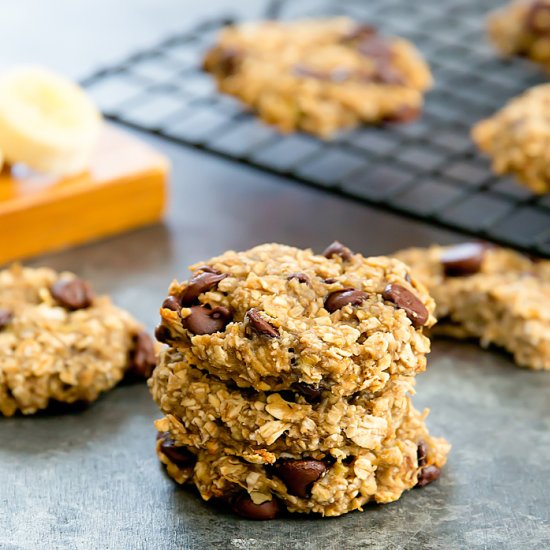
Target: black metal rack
428,169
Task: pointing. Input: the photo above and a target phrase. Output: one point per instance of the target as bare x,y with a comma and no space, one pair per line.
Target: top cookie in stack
276,317
286,381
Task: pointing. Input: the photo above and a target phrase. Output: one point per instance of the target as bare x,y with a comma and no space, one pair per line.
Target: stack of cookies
287,378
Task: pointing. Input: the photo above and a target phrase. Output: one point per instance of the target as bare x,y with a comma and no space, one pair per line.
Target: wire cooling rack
428,170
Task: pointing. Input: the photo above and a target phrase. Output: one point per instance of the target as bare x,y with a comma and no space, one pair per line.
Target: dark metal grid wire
428,170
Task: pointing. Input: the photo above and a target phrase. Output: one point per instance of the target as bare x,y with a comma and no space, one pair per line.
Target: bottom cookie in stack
267,452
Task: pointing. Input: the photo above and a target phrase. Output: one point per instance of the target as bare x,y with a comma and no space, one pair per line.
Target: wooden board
125,188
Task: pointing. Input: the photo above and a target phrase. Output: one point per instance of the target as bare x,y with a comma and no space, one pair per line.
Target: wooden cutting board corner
125,188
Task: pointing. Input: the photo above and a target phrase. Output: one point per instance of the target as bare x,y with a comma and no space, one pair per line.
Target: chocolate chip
403,298
427,475
162,333
198,284
310,391
229,60
5,318
340,298
385,73
376,47
171,303
300,475
72,294
405,113
538,18
259,325
359,32
421,453
463,259
338,249
180,456
206,320
301,277
330,281
142,357
244,506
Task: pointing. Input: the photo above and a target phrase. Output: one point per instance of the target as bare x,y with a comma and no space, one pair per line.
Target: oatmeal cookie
495,295
203,412
319,75
517,138
279,318
60,343
301,483
523,28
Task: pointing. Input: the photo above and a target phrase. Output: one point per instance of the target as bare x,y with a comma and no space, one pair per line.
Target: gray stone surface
90,480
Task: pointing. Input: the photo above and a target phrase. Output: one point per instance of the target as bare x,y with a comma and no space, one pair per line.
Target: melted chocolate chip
427,475
5,318
198,284
259,325
340,298
72,294
311,392
142,357
301,277
171,303
463,259
244,506
300,475
403,298
422,453
338,249
206,320
180,456
330,281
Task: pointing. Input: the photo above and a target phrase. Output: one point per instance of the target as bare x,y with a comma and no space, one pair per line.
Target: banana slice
46,121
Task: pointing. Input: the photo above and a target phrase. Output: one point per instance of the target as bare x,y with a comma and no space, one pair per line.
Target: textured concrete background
91,480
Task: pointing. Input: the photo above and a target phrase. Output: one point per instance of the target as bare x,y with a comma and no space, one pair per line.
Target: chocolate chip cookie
286,384
319,75
522,28
61,343
496,295
276,317
516,138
